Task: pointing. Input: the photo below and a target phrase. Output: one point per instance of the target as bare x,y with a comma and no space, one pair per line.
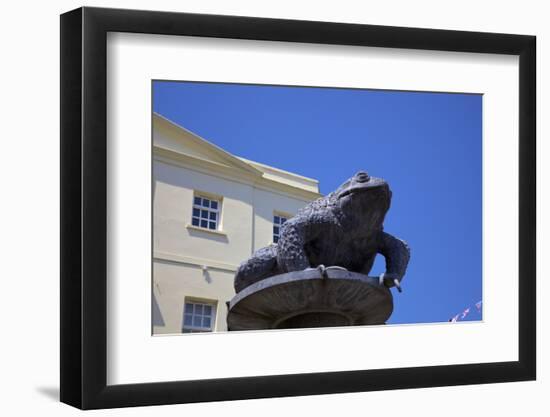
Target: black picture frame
84,207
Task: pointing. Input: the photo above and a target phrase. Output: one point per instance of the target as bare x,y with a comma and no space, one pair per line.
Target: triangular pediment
169,136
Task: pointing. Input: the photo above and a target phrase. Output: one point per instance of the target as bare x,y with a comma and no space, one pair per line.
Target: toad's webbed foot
337,268
390,280
321,268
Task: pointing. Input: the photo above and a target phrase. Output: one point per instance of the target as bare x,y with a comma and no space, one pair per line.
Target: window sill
202,229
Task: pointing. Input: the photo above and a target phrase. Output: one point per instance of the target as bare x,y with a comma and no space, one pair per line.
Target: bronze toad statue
343,229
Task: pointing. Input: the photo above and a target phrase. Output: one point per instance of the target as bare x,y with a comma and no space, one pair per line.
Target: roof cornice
224,162
208,167
231,159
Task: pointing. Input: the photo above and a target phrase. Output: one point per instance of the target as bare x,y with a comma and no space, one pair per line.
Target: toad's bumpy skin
343,229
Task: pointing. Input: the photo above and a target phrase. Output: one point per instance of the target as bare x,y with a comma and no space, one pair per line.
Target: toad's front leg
397,254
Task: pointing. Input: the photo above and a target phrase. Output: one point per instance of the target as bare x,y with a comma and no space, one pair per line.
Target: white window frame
196,311
281,216
199,220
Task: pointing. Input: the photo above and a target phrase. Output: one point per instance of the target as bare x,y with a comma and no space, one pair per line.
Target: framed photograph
257,208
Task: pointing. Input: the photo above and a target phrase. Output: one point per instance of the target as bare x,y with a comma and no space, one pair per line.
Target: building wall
175,282
194,264
172,207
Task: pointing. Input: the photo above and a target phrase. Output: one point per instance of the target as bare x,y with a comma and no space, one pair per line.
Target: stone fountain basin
306,299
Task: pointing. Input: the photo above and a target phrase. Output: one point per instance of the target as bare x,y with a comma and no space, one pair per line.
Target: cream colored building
211,210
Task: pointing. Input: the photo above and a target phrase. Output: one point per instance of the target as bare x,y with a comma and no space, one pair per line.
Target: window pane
206,322
283,220
214,204
207,310
276,219
188,320
188,308
275,239
198,201
213,215
195,221
198,308
275,230
205,202
204,223
212,225
196,212
197,321
204,214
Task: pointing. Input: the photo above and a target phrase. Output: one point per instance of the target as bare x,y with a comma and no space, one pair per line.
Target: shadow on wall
157,315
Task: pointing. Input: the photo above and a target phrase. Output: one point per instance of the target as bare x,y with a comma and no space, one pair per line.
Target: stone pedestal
306,299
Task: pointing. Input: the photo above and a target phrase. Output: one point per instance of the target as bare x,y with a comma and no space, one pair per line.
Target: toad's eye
362,176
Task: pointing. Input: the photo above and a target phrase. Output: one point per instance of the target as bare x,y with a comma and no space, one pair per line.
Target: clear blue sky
428,146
